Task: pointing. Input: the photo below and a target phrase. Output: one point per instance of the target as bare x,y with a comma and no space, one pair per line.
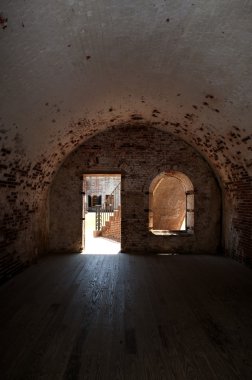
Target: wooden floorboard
126,316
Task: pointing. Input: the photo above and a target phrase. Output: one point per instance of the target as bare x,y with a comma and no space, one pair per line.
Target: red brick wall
23,213
112,230
238,232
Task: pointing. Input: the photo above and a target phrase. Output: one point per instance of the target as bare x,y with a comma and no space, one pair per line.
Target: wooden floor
128,317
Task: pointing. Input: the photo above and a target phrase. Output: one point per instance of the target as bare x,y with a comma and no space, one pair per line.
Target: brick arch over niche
171,204
139,154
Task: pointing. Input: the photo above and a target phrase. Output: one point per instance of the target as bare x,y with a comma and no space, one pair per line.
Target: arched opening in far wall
141,168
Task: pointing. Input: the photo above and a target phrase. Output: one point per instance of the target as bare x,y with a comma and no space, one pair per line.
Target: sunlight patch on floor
98,245
101,246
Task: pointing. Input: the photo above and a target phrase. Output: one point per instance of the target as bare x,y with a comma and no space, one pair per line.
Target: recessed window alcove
171,208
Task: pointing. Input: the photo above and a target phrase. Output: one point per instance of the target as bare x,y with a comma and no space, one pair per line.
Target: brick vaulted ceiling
70,69
185,66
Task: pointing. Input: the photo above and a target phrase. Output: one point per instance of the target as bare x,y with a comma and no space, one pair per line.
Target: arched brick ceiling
72,68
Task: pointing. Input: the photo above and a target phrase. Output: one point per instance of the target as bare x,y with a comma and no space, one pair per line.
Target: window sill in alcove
171,233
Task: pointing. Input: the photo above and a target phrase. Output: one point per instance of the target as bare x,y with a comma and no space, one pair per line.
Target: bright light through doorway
101,213
98,245
101,246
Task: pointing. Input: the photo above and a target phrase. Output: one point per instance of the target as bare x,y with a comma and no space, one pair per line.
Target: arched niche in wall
171,208
139,180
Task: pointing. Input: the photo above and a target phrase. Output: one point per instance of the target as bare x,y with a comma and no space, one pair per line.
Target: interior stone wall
139,154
